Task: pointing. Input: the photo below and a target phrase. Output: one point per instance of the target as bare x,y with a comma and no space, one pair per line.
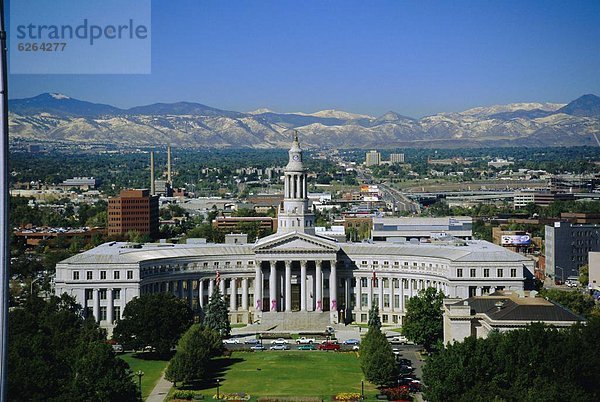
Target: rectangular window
89,275
75,275
459,273
386,301
396,283
89,294
472,272
385,318
129,274
486,272
364,300
117,294
102,293
405,300
364,282
103,313
386,283
117,314
405,284
376,300
102,274
363,318
513,273
116,275
396,301
500,272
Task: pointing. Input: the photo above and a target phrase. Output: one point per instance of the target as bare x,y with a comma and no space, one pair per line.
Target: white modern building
293,279
372,158
406,228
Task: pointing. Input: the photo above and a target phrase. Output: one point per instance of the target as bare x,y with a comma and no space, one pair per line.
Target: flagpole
4,234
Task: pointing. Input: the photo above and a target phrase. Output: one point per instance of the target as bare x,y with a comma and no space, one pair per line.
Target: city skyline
413,58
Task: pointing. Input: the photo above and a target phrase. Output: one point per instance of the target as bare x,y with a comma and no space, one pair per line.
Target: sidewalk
160,391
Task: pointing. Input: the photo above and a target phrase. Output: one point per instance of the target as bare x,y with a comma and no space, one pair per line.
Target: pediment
295,242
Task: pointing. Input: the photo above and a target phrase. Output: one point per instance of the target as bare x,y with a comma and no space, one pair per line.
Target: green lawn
152,371
293,373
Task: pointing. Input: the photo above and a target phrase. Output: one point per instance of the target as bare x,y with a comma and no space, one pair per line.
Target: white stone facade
292,271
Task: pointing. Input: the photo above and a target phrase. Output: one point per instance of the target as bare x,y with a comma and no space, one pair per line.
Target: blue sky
413,57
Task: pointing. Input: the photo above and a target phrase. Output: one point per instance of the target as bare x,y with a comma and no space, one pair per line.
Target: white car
231,341
279,341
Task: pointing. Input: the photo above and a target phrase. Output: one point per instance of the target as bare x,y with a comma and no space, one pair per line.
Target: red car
329,346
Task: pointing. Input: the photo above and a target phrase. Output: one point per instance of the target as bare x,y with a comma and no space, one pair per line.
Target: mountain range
57,117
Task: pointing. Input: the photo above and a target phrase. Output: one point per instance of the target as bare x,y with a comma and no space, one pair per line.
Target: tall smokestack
169,164
151,172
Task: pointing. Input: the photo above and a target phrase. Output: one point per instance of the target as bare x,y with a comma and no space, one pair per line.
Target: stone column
96,304
109,305
123,301
245,294
273,287
319,285
258,285
211,288
392,283
222,286
201,292
333,286
303,285
369,293
358,293
288,286
380,292
233,295
180,289
190,292
401,294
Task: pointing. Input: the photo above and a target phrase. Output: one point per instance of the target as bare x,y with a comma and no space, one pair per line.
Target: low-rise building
501,311
385,229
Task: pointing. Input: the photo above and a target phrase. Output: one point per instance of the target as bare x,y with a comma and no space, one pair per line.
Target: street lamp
140,374
362,389
31,284
218,383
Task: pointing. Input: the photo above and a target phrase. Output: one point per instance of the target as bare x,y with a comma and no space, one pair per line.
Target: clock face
296,157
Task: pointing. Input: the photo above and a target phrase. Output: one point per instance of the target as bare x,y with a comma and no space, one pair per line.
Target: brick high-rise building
133,210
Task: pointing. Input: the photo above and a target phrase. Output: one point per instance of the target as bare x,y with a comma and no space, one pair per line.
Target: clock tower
294,214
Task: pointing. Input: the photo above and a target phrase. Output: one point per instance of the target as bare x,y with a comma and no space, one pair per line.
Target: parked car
355,347
402,340
252,341
404,362
231,341
280,347
304,340
308,346
279,341
258,346
413,384
329,346
351,342
117,348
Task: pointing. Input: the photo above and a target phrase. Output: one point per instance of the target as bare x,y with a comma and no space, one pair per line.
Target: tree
374,320
584,275
216,316
579,303
195,349
54,354
377,360
423,320
156,320
516,365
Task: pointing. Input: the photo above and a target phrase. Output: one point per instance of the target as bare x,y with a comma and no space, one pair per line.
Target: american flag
374,278
218,278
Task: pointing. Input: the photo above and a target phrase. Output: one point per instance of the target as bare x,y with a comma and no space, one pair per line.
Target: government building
294,279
